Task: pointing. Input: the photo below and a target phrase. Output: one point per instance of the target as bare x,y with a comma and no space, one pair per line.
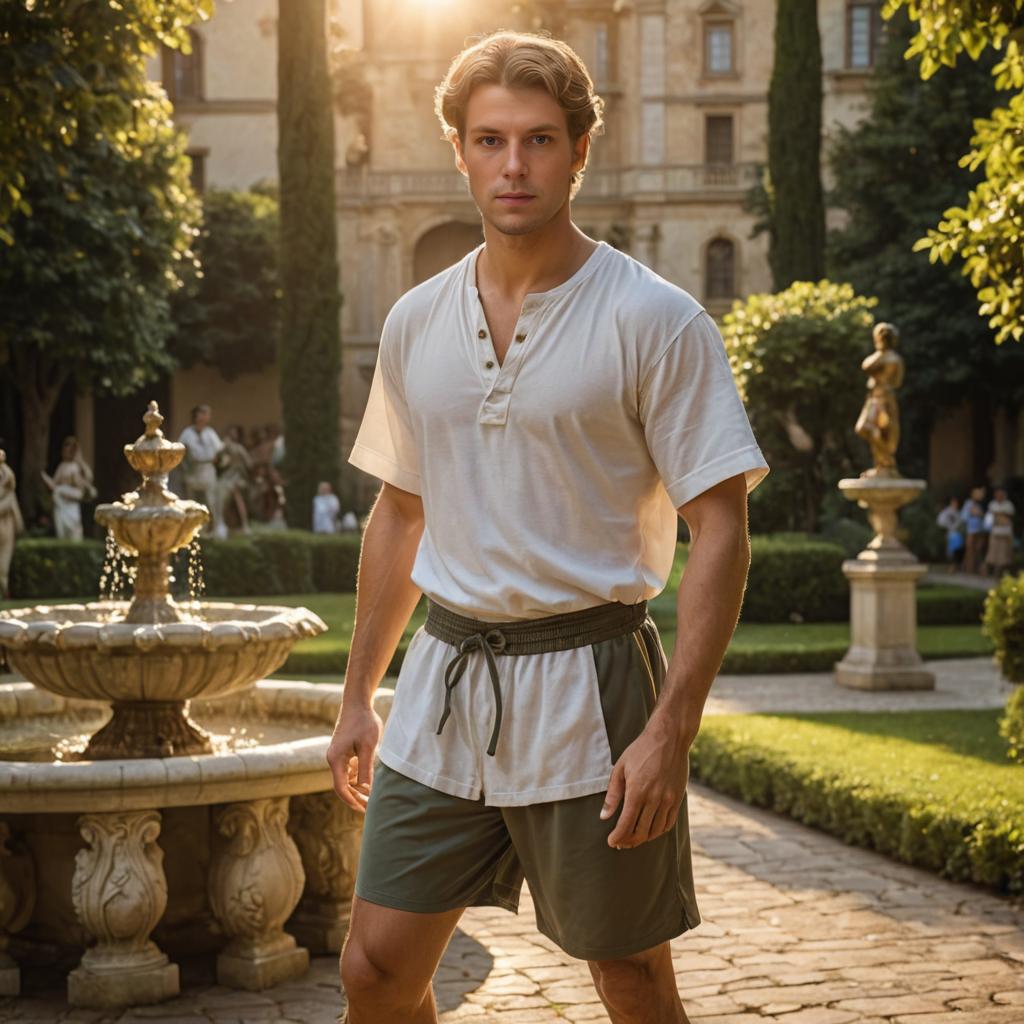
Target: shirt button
520,337
481,333
489,364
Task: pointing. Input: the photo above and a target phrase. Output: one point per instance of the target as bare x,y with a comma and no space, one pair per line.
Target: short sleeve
385,446
694,422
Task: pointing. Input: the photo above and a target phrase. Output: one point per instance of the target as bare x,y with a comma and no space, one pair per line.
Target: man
202,446
538,414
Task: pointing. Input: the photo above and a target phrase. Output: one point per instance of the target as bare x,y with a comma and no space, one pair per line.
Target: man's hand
350,754
651,774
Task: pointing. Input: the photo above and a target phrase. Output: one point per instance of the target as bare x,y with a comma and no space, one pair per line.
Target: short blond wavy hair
522,60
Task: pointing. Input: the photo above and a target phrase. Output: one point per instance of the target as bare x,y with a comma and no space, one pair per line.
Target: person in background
349,522
949,520
202,446
11,523
1000,545
973,517
235,464
70,485
326,508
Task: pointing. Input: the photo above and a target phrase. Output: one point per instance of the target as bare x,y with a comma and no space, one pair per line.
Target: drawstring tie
492,642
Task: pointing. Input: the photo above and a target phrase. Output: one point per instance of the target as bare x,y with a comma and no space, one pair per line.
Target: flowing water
118,574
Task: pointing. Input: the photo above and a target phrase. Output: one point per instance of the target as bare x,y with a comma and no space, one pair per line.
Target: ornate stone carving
327,833
256,879
17,899
120,892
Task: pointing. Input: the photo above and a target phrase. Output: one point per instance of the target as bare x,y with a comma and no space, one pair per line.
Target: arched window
183,72
720,269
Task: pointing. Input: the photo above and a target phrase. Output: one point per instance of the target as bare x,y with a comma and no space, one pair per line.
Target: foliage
987,231
1011,725
894,174
939,605
310,343
46,568
796,221
793,355
68,65
227,313
98,212
1003,624
925,788
794,579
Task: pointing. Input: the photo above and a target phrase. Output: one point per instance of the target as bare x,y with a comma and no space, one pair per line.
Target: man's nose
515,160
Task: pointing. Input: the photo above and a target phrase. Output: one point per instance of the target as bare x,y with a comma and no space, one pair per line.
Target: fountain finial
153,420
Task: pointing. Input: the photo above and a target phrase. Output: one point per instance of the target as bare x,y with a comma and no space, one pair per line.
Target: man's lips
514,198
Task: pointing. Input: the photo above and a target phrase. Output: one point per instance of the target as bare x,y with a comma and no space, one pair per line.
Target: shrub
1003,624
1011,725
335,562
234,568
862,781
44,567
949,606
794,578
289,558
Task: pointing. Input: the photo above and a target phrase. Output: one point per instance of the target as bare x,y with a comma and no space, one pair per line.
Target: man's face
518,157
202,418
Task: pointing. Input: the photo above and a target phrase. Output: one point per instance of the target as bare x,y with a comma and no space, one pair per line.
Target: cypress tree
309,347
797,226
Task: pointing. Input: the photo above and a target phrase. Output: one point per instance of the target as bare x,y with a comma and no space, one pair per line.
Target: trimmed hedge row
794,579
782,764
265,563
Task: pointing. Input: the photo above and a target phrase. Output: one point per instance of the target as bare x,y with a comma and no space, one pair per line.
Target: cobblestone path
797,929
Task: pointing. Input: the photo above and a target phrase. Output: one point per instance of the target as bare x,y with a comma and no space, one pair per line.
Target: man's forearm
385,597
707,608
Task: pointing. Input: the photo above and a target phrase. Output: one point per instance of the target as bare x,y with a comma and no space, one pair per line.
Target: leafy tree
987,232
893,178
796,223
310,342
793,355
98,214
227,313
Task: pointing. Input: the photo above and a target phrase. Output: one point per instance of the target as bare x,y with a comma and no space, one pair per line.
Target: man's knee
370,980
630,985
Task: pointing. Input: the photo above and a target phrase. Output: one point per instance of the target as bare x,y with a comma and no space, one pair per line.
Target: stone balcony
683,181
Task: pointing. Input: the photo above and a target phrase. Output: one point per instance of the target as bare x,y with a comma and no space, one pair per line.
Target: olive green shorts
427,852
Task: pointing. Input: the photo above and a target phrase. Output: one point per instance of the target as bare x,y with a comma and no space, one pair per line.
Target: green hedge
923,787
793,578
44,568
940,605
265,563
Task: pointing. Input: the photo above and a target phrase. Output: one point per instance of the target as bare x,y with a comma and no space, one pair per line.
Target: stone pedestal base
883,627
321,929
100,990
262,969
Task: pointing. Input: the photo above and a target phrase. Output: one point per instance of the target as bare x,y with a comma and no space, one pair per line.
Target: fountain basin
202,840
88,651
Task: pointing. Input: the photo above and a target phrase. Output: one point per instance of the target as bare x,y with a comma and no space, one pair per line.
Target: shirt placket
499,380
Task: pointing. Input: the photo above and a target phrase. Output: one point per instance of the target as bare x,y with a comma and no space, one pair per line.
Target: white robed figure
70,485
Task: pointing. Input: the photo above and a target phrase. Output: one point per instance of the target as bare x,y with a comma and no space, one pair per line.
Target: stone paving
797,927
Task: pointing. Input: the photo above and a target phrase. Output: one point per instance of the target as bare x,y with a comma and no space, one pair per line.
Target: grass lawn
932,788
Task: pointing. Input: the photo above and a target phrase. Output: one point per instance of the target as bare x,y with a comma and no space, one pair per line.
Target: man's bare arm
385,600
652,772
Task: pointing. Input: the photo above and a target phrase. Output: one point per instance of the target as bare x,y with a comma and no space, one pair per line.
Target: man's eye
542,139
486,140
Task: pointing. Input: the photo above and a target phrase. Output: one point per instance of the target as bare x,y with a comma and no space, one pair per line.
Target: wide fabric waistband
538,636
524,636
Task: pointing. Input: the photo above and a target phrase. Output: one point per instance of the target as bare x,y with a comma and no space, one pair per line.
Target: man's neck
511,266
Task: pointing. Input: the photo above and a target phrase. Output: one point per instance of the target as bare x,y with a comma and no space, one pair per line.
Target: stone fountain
148,731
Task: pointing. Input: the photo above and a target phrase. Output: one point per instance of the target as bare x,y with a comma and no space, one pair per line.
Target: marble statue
11,523
879,420
71,484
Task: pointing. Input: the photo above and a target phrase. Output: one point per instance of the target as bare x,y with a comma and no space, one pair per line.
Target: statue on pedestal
11,523
879,420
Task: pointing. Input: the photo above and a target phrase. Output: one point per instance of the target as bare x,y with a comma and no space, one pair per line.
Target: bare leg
640,989
389,959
